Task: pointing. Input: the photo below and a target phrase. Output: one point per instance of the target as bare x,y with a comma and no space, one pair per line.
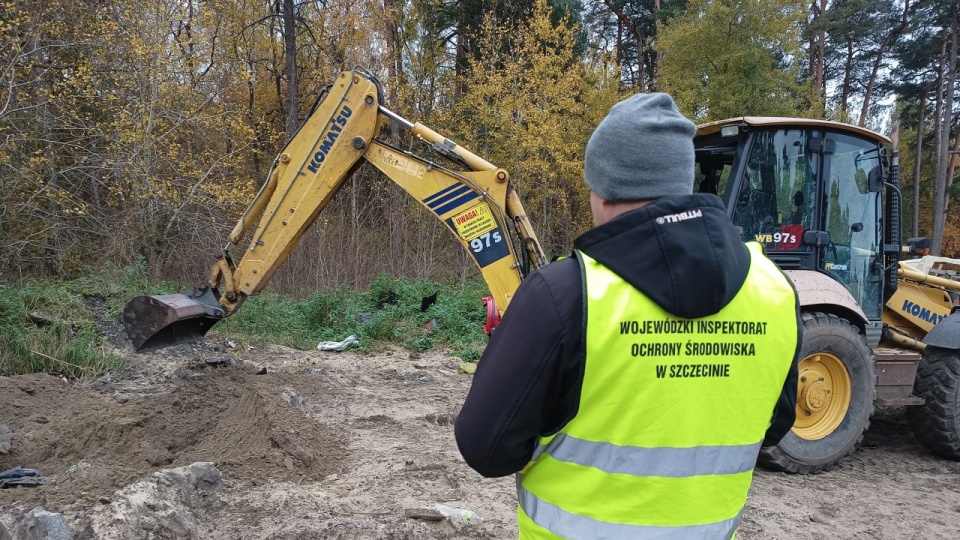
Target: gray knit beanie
643,149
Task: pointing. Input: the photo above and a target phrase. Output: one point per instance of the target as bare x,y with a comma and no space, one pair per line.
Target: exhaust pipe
153,322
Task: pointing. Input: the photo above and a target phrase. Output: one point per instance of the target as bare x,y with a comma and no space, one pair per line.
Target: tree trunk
628,24
395,66
916,166
620,50
397,197
943,144
461,63
657,55
820,80
847,75
890,38
816,47
952,159
951,169
938,118
290,51
251,115
812,46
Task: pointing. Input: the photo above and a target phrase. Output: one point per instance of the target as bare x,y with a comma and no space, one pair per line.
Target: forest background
135,133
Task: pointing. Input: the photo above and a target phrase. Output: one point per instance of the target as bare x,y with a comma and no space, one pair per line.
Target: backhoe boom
479,206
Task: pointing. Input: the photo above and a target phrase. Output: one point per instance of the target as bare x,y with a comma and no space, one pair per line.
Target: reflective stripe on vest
574,526
640,461
671,414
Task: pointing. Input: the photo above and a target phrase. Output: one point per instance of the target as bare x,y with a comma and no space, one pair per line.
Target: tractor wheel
937,422
837,387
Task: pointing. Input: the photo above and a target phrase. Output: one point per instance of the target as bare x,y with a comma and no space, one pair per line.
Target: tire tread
775,458
935,423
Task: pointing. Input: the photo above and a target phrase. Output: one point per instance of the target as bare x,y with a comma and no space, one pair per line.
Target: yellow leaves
530,105
724,59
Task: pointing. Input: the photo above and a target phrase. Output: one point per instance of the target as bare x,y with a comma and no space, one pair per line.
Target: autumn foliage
141,130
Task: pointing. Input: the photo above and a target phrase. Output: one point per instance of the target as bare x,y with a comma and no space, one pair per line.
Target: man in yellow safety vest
632,385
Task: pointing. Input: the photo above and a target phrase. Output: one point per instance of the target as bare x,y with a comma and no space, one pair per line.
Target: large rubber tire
830,335
937,422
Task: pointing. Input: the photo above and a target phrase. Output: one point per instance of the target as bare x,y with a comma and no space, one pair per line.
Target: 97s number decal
485,240
483,236
777,237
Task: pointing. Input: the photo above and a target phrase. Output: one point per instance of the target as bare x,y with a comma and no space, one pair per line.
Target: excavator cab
822,199
813,194
809,193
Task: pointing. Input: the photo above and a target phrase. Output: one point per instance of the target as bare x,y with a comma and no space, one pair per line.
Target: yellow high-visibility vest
672,414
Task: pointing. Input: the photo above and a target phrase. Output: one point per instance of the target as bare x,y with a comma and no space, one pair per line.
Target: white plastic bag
338,346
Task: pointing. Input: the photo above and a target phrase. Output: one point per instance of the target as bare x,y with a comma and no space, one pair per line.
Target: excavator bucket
153,322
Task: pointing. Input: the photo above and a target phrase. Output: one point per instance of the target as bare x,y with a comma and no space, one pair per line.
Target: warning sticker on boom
410,167
474,222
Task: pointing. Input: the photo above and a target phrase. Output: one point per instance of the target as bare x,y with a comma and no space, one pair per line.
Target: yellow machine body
478,205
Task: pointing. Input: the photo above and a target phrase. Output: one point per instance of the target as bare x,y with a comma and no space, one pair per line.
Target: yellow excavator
821,197
478,204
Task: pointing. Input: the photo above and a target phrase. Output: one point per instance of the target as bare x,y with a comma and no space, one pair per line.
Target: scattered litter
232,344
223,360
457,515
430,325
21,477
263,371
428,301
81,465
18,472
22,482
467,367
364,317
338,346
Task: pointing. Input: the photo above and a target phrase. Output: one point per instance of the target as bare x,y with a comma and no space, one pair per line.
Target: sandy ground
350,445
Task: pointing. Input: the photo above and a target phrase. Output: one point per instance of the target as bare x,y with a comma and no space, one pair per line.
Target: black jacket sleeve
785,412
528,380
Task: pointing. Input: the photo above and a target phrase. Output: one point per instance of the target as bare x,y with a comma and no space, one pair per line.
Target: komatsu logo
674,218
330,137
921,312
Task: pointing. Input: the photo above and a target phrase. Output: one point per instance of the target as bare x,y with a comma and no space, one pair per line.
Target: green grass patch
47,327
386,313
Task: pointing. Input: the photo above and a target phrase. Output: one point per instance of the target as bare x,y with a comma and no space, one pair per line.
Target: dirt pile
91,444
357,445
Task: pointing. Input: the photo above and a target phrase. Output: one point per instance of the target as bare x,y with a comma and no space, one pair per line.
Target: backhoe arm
479,206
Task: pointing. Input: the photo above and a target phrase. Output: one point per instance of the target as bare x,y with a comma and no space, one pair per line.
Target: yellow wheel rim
823,396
